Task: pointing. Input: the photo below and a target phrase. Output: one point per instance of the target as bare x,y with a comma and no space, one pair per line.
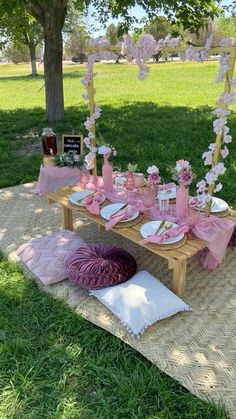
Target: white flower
201,186
87,141
152,169
208,156
204,198
219,124
89,159
219,169
211,177
227,98
212,146
218,187
224,152
220,112
104,149
227,139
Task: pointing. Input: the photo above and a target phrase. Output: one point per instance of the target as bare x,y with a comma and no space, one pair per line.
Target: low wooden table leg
101,228
179,277
67,220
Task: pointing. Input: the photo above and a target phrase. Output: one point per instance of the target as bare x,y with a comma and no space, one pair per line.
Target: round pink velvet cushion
95,266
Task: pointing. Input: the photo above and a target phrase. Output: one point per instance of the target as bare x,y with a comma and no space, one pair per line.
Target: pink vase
181,201
107,175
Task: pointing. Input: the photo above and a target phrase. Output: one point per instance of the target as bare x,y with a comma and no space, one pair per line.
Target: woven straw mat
198,349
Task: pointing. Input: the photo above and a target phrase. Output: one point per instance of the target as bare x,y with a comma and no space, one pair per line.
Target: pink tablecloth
52,178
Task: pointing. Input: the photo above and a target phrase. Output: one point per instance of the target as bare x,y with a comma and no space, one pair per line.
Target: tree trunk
51,15
32,49
53,74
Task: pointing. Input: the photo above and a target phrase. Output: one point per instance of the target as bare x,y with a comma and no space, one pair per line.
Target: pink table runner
52,178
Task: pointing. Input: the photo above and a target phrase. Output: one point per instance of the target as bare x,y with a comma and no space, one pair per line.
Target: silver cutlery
159,227
81,200
167,226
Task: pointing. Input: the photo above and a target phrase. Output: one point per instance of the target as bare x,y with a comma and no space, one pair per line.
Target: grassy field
54,364
156,121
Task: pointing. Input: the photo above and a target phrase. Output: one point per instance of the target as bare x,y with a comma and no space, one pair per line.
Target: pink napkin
217,233
161,238
92,203
117,218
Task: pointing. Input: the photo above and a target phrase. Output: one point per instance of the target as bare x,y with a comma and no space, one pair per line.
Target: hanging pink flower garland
220,128
145,49
90,121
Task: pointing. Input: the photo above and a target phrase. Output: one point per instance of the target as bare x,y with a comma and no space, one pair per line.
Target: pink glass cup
139,180
84,178
148,198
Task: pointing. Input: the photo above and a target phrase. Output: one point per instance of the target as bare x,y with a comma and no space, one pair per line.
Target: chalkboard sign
72,142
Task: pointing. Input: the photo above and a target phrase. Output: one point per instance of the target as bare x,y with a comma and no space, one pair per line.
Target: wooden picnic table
177,258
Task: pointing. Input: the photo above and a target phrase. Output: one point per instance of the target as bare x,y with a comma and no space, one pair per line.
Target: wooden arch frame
231,51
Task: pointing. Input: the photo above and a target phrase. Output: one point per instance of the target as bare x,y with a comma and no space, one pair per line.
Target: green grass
53,363
156,121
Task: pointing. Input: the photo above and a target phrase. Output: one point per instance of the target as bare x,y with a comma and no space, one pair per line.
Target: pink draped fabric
217,233
52,178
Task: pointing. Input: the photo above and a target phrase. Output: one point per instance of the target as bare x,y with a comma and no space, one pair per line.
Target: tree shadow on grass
56,364
142,132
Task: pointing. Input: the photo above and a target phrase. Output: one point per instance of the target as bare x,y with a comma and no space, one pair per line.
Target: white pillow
140,302
46,257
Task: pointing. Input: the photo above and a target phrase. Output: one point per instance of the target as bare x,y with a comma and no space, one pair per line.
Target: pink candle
181,201
107,175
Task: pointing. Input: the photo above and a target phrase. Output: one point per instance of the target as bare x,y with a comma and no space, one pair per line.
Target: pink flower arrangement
182,173
153,175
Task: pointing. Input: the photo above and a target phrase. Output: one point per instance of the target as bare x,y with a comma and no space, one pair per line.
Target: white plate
107,211
167,193
150,228
81,195
218,205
